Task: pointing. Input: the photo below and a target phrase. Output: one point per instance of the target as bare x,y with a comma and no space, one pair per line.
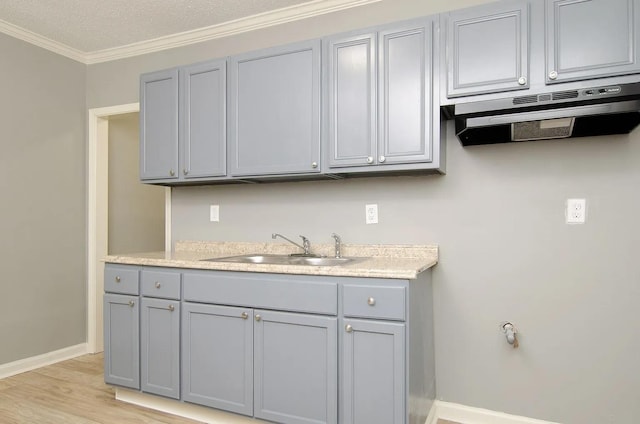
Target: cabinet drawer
121,279
374,302
164,284
283,292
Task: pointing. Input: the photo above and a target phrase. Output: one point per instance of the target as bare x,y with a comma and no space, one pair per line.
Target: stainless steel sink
284,260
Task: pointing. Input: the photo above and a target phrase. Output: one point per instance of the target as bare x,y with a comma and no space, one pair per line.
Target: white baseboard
182,409
469,415
28,364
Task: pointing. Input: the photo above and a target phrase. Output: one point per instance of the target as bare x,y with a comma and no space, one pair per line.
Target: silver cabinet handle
314,165
118,279
381,159
348,328
132,303
158,285
369,159
371,301
171,308
522,80
553,75
185,172
172,172
244,315
258,317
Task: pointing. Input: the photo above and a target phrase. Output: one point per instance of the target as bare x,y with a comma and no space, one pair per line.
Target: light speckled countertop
378,261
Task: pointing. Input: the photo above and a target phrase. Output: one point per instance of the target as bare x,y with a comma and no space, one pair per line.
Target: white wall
136,210
42,209
506,253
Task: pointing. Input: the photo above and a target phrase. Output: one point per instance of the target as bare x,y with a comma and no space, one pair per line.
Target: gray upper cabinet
591,38
203,129
183,133
159,125
487,48
296,368
274,114
122,340
160,347
380,97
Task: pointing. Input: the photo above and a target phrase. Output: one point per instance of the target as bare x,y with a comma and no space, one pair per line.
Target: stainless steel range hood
605,110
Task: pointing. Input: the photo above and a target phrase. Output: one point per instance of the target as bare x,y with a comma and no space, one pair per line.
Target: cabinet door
487,48
203,129
352,100
160,344
217,357
591,38
373,372
405,95
295,368
121,340
275,111
159,125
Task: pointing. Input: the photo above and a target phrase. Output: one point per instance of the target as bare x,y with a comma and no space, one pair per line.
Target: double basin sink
284,260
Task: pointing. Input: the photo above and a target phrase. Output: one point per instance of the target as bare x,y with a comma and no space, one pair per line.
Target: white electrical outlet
576,211
214,213
371,214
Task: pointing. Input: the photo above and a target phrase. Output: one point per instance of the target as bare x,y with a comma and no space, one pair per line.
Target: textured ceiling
93,25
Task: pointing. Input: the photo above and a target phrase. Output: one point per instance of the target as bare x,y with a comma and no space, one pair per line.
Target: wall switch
371,214
214,213
576,211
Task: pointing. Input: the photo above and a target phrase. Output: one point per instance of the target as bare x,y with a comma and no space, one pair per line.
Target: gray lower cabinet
486,48
160,347
591,39
296,367
183,134
269,345
380,99
122,340
373,367
274,111
217,358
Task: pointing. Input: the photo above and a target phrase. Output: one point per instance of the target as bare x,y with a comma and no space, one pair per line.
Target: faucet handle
338,244
306,244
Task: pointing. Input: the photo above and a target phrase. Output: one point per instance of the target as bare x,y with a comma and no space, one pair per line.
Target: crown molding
250,23
41,41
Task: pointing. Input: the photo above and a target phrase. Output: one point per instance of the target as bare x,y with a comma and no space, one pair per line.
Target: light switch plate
214,213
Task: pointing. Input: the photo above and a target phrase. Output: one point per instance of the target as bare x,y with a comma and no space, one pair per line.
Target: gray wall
136,211
42,217
506,253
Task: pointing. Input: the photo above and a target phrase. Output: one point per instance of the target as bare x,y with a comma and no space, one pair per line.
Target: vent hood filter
542,130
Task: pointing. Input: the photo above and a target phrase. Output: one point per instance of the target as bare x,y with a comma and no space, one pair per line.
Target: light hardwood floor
73,392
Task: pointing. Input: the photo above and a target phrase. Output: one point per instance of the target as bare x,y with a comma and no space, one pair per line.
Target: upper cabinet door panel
405,115
352,100
591,38
159,125
275,111
487,48
203,123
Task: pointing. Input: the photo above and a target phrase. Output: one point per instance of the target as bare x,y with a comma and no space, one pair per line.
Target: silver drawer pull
171,308
158,285
348,328
132,303
117,279
244,315
371,301
258,317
